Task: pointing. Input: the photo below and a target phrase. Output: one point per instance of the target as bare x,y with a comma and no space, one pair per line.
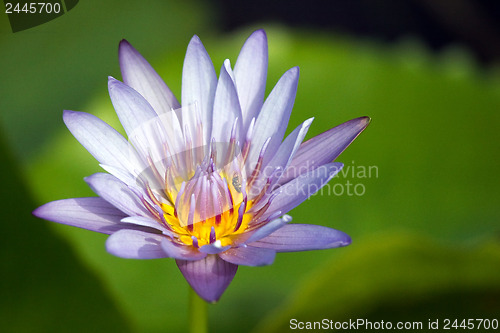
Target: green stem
198,314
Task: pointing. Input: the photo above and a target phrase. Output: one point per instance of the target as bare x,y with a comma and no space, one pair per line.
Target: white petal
132,109
273,119
287,149
250,73
133,244
199,82
101,140
138,74
226,107
116,193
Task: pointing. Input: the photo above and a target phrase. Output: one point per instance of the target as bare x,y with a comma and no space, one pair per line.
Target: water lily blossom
208,183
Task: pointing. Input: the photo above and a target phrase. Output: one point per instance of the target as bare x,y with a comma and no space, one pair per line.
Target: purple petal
273,119
145,222
303,237
287,149
180,251
250,73
269,228
214,248
296,191
249,256
324,148
124,176
94,214
144,128
226,107
132,109
116,193
133,244
101,140
209,277
138,74
199,82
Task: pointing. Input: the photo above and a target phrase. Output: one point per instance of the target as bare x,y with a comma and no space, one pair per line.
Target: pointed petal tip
304,237
365,120
195,40
294,71
46,211
124,43
340,240
308,122
39,212
124,48
70,118
112,82
346,241
68,114
259,33
361,123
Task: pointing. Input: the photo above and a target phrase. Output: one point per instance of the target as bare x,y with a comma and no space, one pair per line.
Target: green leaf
396,277
46,287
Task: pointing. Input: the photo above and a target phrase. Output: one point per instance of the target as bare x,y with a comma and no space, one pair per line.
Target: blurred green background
424,222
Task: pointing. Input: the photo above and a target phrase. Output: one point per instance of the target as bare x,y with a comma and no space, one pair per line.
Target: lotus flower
209,183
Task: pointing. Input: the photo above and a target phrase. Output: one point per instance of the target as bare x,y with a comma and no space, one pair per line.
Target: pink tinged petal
181,252
209,277
249,256
296,191
132,109
138,74
273,119
133,244
199,82
116,193
250,73
324,148
303,237
226,107
101,140
94,214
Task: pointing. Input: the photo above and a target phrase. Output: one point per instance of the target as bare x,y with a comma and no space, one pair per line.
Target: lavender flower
208,184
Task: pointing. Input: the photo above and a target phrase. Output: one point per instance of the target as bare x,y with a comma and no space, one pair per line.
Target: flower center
212,206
